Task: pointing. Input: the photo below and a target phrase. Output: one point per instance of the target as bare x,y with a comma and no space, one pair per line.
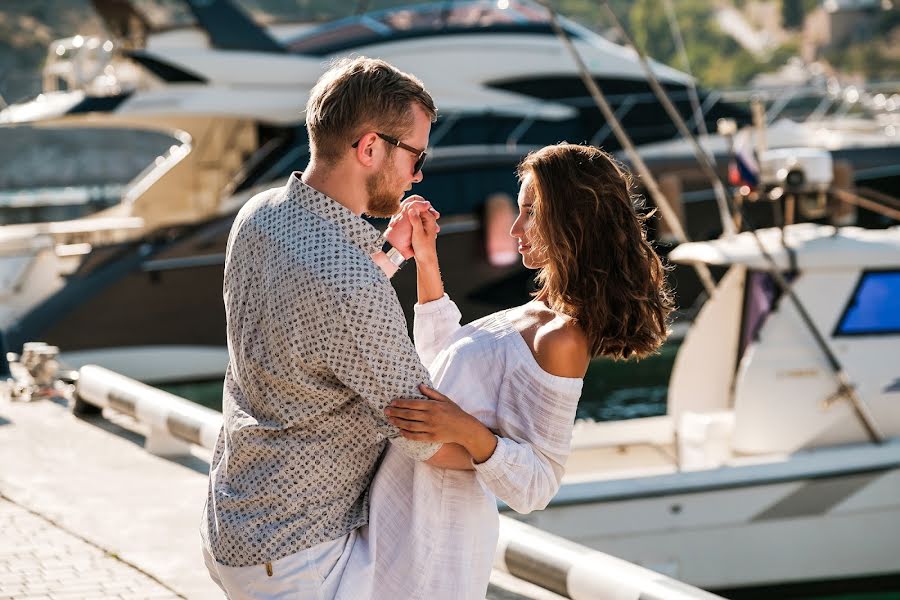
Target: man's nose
418,176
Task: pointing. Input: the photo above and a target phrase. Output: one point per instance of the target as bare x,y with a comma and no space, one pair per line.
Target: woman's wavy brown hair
598,266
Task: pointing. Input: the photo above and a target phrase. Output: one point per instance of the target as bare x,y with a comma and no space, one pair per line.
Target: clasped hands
401,228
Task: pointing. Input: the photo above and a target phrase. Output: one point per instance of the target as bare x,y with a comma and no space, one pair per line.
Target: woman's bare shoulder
561,348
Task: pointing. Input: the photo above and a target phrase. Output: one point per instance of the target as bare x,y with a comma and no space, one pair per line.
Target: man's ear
365,150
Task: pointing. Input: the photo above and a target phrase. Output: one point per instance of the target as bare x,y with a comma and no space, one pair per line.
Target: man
317,343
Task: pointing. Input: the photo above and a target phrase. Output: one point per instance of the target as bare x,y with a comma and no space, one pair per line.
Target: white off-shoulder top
432,532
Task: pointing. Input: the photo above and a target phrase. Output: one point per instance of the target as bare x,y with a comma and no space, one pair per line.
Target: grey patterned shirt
317,346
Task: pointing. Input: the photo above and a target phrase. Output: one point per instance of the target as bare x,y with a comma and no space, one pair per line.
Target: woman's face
523,222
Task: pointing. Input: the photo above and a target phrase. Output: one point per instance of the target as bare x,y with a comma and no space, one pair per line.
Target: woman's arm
522,475
517,472
424,243
452,456
436,317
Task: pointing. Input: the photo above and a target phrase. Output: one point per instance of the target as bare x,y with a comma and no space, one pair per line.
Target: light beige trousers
312,574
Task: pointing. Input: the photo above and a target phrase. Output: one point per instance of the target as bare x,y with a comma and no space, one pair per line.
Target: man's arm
369,350
389,268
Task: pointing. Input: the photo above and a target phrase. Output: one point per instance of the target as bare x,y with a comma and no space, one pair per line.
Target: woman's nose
516,228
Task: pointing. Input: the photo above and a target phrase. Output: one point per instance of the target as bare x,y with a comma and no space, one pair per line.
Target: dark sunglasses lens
419,164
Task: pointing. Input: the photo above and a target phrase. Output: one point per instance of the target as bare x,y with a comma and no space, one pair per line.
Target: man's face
387,187
382,186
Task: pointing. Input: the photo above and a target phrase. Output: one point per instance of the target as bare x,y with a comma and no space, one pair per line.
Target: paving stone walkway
41,561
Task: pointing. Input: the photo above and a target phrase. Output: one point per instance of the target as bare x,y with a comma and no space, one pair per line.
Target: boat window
874,308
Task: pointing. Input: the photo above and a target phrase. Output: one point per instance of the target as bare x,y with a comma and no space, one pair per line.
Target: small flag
743,168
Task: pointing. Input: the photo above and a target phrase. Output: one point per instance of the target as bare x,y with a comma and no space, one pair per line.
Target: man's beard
383,203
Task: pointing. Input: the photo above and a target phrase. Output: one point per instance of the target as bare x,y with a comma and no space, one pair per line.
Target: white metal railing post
581,573
174,423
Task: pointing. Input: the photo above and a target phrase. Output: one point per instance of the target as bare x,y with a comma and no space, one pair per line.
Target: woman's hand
440,419
424,233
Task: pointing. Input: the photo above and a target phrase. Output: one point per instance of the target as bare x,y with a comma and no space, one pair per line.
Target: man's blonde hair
357,95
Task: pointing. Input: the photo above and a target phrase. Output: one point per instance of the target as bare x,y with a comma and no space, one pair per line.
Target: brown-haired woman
516,377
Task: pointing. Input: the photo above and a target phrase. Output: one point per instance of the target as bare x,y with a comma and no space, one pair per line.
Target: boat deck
87,513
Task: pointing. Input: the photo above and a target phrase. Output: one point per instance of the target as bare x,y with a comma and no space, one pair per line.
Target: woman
516,377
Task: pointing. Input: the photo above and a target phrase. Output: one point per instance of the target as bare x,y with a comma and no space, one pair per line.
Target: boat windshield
413,21
64,173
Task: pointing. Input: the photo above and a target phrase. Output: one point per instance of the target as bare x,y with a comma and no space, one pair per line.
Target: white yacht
762,472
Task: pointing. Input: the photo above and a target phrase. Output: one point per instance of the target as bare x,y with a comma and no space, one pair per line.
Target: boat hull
830,514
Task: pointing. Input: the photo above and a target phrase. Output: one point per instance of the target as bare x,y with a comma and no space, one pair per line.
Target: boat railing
29,205
173,425
620,112
157,169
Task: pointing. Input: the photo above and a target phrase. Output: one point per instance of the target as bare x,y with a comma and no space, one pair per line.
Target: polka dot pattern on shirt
318,346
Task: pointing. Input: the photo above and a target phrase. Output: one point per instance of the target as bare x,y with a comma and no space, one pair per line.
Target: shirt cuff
495,466
433,306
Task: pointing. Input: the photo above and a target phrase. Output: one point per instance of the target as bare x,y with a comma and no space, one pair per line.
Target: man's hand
399,229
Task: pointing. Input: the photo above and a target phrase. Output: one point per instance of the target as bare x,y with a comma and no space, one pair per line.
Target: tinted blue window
875,307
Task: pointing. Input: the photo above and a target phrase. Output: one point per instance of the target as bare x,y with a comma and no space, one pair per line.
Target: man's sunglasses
420,154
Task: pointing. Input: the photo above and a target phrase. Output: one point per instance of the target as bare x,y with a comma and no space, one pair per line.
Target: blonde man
317,343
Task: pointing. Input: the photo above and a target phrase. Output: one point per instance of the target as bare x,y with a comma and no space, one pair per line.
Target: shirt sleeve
433,325
369,351
536,415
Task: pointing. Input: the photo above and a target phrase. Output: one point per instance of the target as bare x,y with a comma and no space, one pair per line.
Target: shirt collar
357,229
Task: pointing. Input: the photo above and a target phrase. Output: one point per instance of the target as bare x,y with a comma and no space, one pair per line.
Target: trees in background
716,59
